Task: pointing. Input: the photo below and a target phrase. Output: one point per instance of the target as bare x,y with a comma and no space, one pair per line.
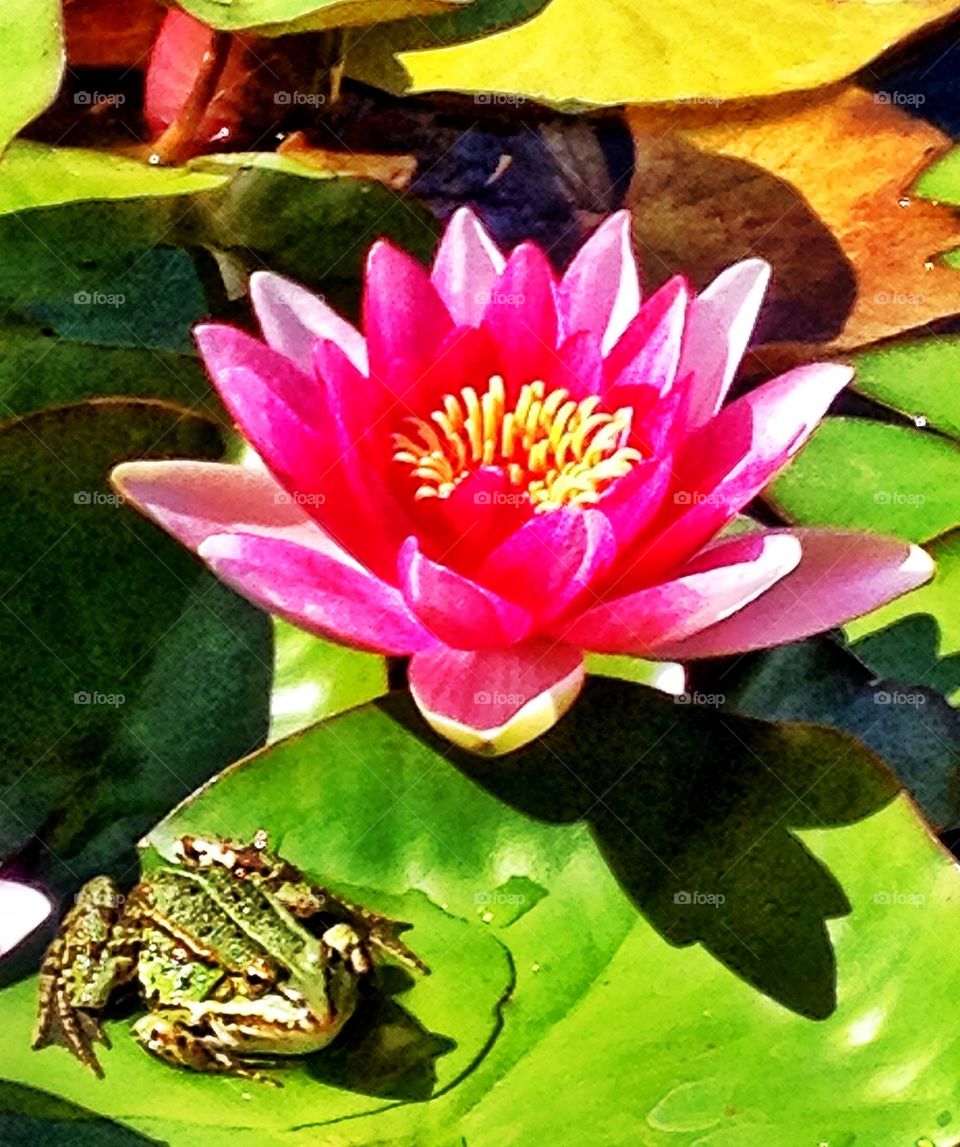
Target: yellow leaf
633,51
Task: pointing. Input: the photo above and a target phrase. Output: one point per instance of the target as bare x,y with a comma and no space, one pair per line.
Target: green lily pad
27,1116
82,318
41,367
872,476
35,175
920,379
917,637
311,225
314,679
279,17
31,61
613,1027
941,180
625,668
891,703
257,209
129,674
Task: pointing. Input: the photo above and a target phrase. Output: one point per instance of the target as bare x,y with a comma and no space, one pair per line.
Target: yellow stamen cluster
561,452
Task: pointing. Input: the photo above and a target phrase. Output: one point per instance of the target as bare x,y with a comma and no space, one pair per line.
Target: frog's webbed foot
172,1037
384,933
59,1021
375,930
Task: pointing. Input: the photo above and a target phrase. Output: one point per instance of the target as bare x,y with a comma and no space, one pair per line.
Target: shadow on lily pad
384,1051
909,650
879,693
29,1117
693,810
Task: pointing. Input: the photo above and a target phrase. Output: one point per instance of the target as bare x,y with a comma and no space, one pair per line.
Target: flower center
560,452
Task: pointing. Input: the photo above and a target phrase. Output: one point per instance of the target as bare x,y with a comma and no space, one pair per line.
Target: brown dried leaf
853,158
394,171
697,212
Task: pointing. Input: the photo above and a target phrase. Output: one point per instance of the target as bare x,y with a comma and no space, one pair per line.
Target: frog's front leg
89,957
171,1036
374,930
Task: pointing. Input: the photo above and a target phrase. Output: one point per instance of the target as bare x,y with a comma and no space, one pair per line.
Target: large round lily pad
613,1028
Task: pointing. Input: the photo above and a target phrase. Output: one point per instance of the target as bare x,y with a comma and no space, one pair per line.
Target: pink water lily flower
504,470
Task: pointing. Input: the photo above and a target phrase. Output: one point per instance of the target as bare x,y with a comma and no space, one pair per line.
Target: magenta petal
467,356
522,317
359,445
458,611
649,354
780,415
600,291
467,265
654,322
309,459
725,579
332,596
268,398
403,316
578,366
274,426
494,701
726,463
238,364
634,500
841,575
719,327
193,500
483,511
293,318
551,562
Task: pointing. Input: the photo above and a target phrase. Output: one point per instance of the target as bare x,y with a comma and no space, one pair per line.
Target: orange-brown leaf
853,158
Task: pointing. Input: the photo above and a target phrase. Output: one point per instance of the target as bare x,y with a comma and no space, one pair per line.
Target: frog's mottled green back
180,900
166,978
250,922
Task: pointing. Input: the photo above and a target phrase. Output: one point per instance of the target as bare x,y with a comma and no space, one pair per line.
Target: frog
240,960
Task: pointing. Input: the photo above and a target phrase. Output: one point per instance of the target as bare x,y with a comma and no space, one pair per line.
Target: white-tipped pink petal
328,595
293,318
719,326
841,575
466,268
22,910
729,461
600,291
194,500
496,700
724,579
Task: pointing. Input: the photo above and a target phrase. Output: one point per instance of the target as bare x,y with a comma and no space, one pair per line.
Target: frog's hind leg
59,1021
89,958
173,1037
